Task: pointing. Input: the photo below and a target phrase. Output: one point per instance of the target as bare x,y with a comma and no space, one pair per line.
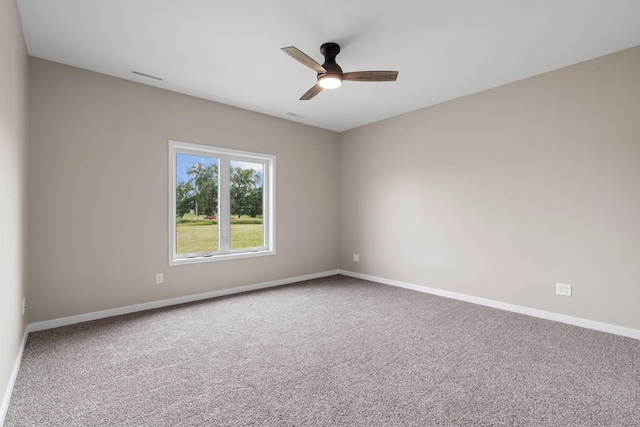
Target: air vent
146,75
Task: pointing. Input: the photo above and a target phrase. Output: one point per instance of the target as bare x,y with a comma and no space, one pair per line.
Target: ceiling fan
330,74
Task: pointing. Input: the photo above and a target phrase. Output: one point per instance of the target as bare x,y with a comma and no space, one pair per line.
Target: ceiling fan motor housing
330,51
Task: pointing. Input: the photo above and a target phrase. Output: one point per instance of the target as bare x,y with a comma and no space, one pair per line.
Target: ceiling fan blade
371,76
311,93
303,58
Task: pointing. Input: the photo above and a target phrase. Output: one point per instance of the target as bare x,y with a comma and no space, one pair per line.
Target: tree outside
246,192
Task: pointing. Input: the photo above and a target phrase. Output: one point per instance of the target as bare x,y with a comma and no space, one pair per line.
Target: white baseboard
64,321
12,380
590,324
585,323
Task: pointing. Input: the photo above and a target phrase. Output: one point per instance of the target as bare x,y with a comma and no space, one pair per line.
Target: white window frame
225,155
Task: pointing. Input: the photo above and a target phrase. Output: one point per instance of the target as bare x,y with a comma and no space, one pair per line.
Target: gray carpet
327,352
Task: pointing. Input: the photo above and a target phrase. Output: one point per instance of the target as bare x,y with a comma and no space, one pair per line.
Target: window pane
196,204
246,199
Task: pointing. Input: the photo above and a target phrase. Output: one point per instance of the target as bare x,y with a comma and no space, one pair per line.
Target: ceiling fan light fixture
329,81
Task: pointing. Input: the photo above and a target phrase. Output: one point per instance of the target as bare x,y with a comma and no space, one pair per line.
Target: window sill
221,257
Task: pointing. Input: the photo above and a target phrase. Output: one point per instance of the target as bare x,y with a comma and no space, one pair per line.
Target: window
221,203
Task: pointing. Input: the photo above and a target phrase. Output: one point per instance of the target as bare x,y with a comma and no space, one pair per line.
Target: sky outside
185,161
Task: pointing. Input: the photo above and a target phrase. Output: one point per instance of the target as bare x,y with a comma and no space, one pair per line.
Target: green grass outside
195,234
196,239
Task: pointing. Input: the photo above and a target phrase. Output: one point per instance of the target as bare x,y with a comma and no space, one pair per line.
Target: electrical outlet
24,304
159,278
563,289
356,257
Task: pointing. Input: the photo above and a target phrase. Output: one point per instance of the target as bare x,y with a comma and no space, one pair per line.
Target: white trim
222,257
12,379
64,321
576,321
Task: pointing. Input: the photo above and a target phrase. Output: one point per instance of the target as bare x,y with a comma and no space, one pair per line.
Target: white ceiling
229,51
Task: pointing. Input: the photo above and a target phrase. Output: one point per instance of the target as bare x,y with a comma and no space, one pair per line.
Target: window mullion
224,208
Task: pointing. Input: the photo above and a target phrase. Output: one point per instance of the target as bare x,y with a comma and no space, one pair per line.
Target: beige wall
497,195
98,192
503,193
13,154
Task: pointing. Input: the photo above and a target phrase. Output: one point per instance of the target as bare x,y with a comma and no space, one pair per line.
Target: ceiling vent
146,75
